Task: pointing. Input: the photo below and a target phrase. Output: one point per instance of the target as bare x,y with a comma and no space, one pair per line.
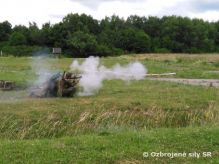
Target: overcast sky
42,11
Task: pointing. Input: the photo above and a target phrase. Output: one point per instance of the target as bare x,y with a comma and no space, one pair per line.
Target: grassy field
120,122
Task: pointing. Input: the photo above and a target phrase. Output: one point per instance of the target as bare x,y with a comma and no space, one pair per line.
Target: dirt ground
202,82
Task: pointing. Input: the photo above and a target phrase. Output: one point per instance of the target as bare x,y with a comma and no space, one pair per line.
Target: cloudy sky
41,11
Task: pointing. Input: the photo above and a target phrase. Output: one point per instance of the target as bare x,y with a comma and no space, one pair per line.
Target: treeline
82,35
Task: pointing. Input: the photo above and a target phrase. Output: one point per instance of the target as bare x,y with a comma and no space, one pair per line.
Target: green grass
119,123
186,66
117,146
140,104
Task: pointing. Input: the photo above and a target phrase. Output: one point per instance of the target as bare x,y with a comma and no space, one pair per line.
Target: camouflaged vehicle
58,85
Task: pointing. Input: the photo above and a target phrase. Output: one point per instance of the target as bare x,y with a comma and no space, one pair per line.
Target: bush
161,50
117,51
104,50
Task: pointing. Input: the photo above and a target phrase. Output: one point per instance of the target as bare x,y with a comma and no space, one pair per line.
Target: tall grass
138,105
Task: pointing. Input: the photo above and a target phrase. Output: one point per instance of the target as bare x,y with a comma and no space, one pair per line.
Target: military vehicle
58,85
6,85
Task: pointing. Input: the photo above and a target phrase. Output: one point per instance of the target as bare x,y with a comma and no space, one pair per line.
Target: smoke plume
93,73
41,68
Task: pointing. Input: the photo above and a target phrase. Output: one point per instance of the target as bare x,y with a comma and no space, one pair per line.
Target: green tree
58,35
21,29
46,35
5,30
75,22
83,44
83,35
133,40
17,38
136,21
35,35
216,36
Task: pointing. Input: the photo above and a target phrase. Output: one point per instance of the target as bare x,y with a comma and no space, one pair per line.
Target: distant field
120,122
186,66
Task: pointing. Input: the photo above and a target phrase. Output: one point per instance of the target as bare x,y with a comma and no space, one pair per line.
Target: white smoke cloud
42,69
93,73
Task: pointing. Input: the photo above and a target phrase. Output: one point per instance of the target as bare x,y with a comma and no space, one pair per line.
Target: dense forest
82,36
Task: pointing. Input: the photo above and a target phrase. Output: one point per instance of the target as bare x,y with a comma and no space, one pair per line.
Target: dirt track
203,82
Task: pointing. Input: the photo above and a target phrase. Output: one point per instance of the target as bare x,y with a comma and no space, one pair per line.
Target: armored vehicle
58,85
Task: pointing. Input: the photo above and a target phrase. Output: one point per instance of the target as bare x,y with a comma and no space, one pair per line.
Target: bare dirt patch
200,82
216,72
